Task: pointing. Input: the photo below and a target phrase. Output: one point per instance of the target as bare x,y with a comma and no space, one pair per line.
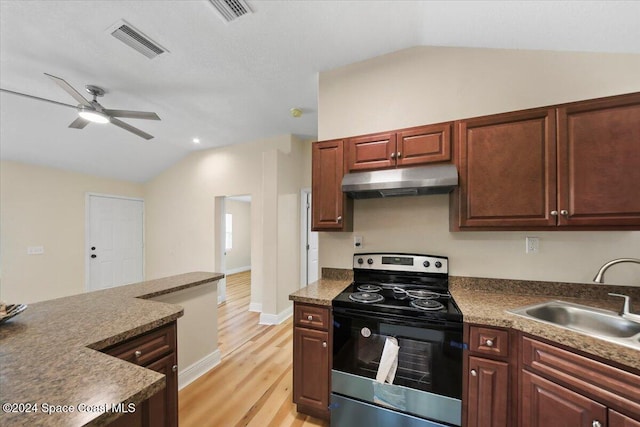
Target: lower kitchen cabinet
311,359
562,388
488,392
545,403
156,350
487,389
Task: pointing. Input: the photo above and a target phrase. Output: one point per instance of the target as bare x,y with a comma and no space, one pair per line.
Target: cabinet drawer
612,386
146,348
311,316
490,341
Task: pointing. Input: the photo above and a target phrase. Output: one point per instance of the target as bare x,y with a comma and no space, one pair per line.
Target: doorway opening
232,239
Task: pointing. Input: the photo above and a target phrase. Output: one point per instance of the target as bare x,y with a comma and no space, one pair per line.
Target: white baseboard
276,319
237,270
255,307
195,371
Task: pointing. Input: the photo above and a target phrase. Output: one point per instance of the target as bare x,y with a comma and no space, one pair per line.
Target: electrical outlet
357,242
532,245
35,250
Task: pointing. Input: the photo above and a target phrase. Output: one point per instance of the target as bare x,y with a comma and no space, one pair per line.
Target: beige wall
180,212
428,85
41,206
239,257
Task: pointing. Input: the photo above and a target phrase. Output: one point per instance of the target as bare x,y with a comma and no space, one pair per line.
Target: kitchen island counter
48,357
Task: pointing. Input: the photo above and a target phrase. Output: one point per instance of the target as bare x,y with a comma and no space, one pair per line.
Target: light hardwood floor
252,386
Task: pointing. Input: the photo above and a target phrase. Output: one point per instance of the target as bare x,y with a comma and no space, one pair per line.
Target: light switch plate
357,242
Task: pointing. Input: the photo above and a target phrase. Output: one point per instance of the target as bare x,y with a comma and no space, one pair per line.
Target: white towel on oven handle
388,361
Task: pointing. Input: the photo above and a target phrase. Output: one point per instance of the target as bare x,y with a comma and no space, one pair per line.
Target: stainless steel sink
595,322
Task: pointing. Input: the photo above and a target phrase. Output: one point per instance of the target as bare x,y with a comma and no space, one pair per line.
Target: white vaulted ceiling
229,83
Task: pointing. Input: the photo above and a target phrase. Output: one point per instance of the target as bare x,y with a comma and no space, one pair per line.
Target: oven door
428,379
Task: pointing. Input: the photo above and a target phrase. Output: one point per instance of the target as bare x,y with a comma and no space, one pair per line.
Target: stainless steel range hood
414,181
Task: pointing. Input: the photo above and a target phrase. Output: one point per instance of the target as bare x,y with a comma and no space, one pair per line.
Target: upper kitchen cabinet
408,147
507,173
331,210
573,166
599,160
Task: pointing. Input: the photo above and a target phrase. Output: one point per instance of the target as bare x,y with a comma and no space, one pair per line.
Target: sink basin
595,322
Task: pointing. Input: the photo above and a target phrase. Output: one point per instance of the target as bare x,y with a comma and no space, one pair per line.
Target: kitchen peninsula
51,359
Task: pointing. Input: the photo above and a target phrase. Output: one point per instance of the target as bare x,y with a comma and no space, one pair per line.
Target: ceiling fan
92,111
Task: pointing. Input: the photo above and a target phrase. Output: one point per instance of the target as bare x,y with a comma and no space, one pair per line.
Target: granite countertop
320,292
485,301
48,353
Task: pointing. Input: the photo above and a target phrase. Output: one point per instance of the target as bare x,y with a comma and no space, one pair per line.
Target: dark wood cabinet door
545,403
488,393
330,209
164,411
425,144
369,152
599,162
616,419
507,167
311,371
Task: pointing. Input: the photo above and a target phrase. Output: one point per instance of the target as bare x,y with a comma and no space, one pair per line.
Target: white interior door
115,248
312,247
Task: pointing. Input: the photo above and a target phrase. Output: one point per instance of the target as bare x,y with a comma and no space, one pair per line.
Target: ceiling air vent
136,40
230,10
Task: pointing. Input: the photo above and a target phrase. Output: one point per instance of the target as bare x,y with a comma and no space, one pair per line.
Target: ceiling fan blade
38,98
130,128
79,123
131,114
70,90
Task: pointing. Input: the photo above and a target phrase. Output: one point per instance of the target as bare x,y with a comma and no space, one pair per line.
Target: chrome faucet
600,276
626,309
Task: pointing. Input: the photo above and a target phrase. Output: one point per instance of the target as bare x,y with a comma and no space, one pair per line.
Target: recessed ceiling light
295,112
196,140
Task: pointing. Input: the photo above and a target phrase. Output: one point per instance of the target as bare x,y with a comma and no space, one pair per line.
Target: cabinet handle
554,213
393,155
399,154
489,343
174,368
474,373
137,354
309,318
596,423
339,218
564,212
324,344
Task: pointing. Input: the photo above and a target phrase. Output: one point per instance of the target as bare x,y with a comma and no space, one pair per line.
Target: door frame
87,232
304,227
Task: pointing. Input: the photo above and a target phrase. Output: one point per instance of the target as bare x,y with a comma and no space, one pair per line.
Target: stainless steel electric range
397,322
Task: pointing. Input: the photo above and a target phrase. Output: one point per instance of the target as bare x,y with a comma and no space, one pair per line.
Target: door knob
93,255
554,213
489,343
474,373
564,212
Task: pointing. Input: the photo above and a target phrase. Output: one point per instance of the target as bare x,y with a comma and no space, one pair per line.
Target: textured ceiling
229,83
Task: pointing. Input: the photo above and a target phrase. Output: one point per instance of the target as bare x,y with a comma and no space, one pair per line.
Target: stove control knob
426,264
370,261
360,260
438,264
365,332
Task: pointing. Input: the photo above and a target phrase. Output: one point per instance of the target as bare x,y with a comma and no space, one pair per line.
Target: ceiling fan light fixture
93,116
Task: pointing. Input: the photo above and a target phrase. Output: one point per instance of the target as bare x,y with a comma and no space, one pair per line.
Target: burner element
366,297
369,288
426,304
